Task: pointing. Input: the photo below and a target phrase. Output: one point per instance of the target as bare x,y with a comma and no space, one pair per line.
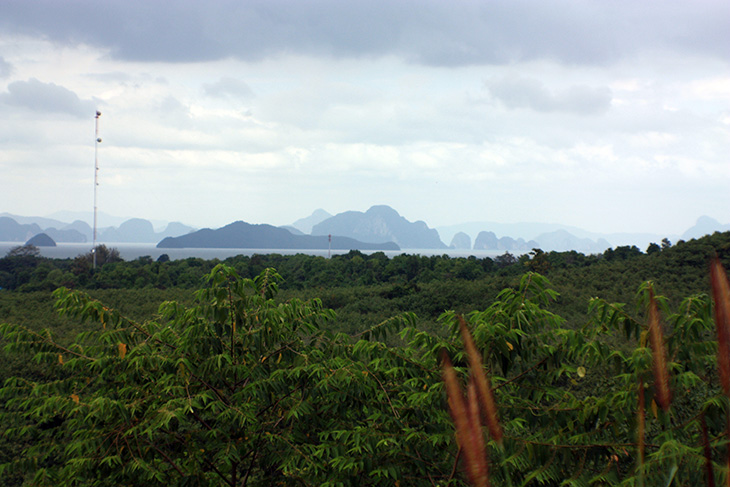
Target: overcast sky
611,116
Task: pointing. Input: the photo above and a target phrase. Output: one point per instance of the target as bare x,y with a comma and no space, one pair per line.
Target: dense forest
301,370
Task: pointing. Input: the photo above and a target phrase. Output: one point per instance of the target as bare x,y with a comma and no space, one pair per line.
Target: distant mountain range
137,230
559,240
380,227
242,235
384,222
305,225
12,231
704,226
381,224
14,228
489,241
554,236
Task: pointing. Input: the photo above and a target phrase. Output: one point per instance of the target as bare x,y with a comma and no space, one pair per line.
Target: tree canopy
243,388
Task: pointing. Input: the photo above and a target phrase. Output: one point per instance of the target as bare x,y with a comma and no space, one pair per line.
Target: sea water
132,251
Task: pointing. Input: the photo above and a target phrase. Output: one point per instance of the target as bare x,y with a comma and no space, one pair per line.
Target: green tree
27,250
538,262
653,248
505,260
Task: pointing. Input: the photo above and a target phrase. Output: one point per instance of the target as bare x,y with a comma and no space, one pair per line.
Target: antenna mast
97,139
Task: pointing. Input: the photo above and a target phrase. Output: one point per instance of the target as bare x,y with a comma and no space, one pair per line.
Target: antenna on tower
97,139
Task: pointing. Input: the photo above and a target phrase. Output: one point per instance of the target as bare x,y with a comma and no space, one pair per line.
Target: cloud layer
46,98
5,68
609,116
430,32
515,92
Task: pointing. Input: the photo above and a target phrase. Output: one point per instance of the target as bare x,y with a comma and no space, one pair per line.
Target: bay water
132,251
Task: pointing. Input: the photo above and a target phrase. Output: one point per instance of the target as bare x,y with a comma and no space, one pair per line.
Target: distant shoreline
132,251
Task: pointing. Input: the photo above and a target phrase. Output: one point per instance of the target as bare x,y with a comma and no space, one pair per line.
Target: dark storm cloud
430,31
46,98
228,87
514,92
5,68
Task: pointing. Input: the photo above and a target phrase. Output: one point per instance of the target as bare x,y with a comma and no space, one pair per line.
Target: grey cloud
228,87
46,98
173,113
5,68
171,108
112,77
429,31
516,92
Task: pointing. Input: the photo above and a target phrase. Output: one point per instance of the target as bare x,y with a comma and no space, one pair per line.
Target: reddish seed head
481,382
721,296
467,430
659,356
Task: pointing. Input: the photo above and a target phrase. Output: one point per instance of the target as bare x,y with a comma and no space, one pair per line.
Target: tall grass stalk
482,384
659,356
721,297
467,425
640,426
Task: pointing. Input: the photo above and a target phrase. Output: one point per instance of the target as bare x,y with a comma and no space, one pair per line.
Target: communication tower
97,140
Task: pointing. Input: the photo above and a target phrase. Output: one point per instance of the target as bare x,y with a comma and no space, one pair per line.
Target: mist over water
131,251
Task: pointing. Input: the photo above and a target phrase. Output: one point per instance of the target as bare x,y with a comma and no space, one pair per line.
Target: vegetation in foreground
243,388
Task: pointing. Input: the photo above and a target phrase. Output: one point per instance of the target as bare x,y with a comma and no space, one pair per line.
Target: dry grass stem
721,296
475,460
477,435
482,384
659,356
641,423
709,472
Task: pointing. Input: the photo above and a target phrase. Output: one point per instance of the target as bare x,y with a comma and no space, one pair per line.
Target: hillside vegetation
327,372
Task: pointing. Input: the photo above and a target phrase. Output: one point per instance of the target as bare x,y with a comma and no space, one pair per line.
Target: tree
18,266
653,248
104,255
505,260
83,265
622,252
27,250
539,262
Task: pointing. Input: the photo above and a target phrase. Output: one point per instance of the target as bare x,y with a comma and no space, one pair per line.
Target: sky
610,116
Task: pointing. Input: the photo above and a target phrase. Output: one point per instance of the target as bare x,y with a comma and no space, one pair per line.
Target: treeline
28,272
23,270
363,290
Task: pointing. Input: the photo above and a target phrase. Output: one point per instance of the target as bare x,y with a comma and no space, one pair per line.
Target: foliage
406,273
27,250
572,406
242,388
238,389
